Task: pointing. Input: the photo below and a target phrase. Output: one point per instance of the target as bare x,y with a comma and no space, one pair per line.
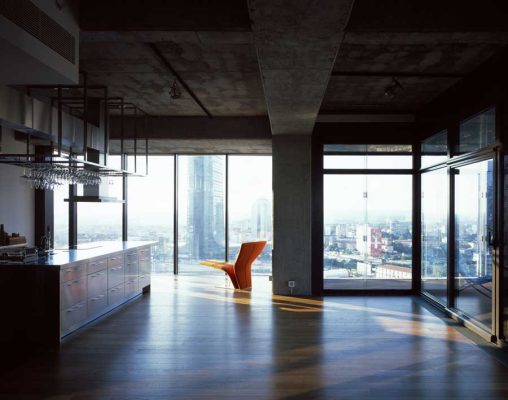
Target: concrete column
292,213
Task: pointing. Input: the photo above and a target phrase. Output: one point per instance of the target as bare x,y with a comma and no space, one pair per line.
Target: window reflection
477,132
434,149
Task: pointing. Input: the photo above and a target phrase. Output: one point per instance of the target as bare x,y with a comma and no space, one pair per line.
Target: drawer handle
69,270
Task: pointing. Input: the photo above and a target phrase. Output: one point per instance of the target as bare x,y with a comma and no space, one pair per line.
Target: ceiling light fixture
393,88
174,91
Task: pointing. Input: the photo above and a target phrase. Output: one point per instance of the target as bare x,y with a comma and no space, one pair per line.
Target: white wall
16,197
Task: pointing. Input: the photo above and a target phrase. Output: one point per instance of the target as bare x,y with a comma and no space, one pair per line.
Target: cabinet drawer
144,253
131,270
116,276
144,281
145,267
115,260
131,287
116,295
97,283
97,265
72,292
131,256
97,304
71,272
72,318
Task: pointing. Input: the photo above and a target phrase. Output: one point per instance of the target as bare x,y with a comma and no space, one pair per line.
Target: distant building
400,228
205,219
369,240
261,219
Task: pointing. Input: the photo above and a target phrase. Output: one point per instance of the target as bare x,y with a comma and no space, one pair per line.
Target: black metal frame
226,201
318,218
451,164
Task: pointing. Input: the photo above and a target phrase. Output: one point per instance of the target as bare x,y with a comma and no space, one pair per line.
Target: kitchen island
44,301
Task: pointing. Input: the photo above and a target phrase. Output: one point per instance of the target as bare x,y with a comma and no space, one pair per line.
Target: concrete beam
192,127
195,146
194,135
297,42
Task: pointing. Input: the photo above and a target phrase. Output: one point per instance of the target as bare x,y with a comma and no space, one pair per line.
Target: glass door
474,229
367,232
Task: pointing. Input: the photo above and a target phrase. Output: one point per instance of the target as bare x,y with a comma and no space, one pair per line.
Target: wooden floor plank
190,339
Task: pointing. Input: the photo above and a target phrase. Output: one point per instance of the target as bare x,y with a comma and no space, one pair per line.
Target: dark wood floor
189,339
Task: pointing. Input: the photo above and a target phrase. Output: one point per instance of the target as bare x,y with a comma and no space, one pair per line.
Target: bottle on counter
2,235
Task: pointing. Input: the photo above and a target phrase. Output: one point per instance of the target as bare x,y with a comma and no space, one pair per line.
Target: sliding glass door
474,231
458,227
434,233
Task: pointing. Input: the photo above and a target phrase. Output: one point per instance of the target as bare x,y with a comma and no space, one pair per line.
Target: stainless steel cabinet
73,292
92,288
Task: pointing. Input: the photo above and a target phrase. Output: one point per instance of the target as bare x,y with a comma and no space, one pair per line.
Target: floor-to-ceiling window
367,217
151,208
222,202
61,217
201,192
250,207
102,221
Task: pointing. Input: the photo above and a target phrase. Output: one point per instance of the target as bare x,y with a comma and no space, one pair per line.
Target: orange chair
240,271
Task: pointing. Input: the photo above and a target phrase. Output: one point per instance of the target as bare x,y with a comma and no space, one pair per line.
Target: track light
174,91
393,88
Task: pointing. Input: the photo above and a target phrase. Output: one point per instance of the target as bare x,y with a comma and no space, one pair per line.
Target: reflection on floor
367,284
193,339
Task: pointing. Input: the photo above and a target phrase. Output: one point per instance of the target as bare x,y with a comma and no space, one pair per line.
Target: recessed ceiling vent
37,23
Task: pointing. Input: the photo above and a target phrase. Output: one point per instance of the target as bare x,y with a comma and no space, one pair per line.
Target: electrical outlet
291,284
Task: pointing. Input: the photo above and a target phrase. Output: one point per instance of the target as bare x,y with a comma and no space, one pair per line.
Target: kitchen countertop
85,251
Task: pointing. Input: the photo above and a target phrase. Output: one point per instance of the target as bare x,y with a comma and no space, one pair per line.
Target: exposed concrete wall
292,213
16,197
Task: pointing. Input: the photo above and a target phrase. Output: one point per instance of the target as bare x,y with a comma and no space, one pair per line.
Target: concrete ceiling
220,67
424,63
290,59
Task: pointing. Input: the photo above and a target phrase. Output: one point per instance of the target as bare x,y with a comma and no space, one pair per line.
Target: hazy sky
151,197
387,195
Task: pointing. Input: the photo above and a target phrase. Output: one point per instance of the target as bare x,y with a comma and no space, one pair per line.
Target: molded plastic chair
240,271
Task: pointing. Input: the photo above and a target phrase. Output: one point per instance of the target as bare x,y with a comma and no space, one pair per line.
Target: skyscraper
261,219
205,219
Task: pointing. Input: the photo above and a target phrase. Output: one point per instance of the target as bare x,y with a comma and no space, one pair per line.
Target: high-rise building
368,240
205,219
261,219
